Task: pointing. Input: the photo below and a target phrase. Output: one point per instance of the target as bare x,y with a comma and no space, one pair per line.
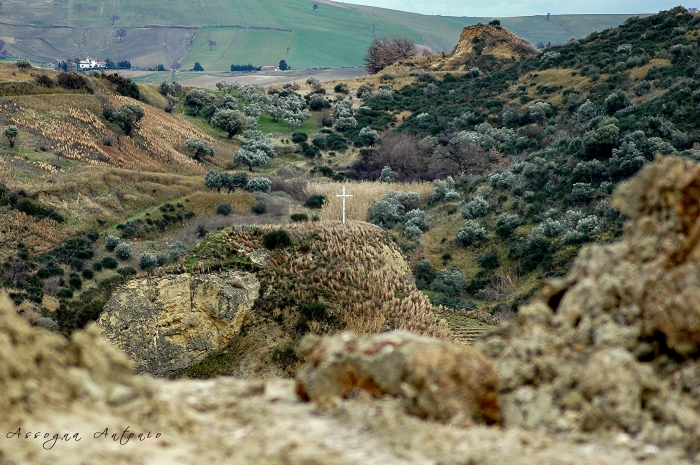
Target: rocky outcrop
169,323
484,39
614,346
435,379
56,389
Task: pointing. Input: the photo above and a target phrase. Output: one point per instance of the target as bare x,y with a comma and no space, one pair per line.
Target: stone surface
169,323
613,346
50,385
435,379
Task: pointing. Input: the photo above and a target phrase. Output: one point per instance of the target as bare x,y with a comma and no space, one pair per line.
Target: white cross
344,196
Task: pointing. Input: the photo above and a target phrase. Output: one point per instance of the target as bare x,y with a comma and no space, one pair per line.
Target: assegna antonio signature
49,440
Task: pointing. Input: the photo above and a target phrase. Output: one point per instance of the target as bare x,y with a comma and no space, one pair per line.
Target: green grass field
329,36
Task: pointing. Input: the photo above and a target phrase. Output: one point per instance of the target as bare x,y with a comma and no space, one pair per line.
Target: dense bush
109,263
123,251
148,261
111,242
88,273
259,208
450,282
315,201
177,249
474,209
224,209
471,233
277,239
259,184
299,217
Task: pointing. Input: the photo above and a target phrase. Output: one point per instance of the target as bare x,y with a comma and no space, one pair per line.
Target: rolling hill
261,32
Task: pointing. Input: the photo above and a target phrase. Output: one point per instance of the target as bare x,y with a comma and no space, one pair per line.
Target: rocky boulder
166,324
434,379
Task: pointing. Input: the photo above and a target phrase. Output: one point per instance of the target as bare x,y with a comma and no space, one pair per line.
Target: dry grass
363,194
563,77
355,269
38,235
71,124
637,74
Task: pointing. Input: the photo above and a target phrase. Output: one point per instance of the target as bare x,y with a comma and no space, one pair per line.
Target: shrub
43,273
111,242
202,231
278,238
412,232
476,208
126,271
123,251
177,249
97,266
387,175
148,260
93,235
452,196
424,273
109,263
128,232
489,262
259,184
450,282
299,137
88,274
441,188
506,224
64,294
224,209
385,213
315,201
471,233
259,208
75,281
299,217
417,218
582,192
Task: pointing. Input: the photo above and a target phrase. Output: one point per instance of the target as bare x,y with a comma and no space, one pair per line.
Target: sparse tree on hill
315,7
211,43
121,33
197,67
11,132
283,65
231,121
198,99
114,18
199,147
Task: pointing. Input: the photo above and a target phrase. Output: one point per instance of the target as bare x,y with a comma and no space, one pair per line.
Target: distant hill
261,32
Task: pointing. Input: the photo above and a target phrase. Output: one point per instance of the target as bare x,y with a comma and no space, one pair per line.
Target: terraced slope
466,328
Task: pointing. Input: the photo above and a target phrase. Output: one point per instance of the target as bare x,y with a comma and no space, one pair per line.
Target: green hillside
257,32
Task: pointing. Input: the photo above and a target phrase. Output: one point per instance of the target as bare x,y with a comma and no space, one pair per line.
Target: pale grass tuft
364,194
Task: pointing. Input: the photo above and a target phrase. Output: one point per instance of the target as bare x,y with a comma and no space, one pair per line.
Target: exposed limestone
612,348
169,323
435,379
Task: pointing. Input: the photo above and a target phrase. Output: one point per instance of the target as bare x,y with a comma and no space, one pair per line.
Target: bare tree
211,43
383,52
121,33
460,155
114,18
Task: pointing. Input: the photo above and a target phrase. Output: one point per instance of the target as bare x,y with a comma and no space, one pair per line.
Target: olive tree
199,147
11,132
230,121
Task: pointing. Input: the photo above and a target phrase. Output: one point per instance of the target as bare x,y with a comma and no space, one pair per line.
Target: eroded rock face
614,345
169,323
435,379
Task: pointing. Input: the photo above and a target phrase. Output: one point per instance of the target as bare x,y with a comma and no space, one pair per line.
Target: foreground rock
434,379
169,323
613,347
60,388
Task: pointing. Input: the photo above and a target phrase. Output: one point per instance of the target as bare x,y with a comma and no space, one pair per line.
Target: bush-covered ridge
538,146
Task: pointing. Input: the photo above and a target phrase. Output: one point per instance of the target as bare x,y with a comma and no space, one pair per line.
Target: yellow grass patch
38,235
364,194
639,73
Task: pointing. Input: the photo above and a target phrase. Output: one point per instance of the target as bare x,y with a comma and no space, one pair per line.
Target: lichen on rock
169,323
